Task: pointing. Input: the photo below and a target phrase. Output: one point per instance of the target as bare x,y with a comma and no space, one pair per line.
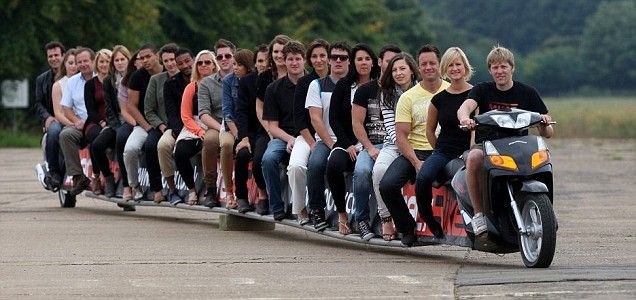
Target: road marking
403,279
534,294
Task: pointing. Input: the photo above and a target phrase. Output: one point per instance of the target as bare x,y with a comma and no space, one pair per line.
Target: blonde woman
190,140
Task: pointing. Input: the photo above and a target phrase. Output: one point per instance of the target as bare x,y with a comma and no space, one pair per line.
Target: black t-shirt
368,96
139,82
488,97
279,104
451,140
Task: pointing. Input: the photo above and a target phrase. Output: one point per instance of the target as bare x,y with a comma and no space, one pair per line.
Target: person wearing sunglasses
344,157
318,103
318,59
193,135
210,103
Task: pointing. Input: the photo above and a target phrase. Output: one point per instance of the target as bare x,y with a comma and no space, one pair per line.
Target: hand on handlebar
467,124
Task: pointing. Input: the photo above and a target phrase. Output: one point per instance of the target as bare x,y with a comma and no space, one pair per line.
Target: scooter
518,189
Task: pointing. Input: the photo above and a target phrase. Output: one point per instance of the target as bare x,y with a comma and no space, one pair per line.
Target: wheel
539,241
66,198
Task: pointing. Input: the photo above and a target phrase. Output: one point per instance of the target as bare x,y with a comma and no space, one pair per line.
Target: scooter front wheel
539,242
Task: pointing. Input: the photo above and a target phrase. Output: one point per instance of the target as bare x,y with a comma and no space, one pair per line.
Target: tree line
563,46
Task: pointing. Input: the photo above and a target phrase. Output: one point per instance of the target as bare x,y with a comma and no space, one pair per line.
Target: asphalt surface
96,250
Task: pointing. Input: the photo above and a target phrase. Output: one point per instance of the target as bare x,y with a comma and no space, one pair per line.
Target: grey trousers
70,139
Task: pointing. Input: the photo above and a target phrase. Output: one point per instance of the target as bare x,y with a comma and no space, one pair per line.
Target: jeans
397,175
152,159
52,148
275,153
363,184
316,169
424,180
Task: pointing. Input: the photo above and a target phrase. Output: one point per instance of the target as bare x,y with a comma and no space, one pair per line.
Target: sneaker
138,195
479,224
210,199
127,194
262,207
174,198
318,218
244,206
111,186
365,231
279,216
80,183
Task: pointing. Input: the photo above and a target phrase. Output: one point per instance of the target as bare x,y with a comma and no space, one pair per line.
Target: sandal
388,229
193,199
230,202
343,228
158,198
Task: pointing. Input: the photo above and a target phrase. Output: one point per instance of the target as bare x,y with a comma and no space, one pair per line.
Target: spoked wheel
66,198
539,241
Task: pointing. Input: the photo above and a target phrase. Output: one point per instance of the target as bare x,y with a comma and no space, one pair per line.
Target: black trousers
338,163
184,150
397,175
243,157
123,132
152,159
105,139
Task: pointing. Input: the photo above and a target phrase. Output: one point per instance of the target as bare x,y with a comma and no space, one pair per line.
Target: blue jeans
316,168
52,148
363,184
424,180
276,151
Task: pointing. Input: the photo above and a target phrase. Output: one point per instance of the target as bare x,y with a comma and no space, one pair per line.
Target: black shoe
127,207
365,231
280,216
111,186
53,181
244,206
408,239
318,218
80,183
210,199
262,207
436,229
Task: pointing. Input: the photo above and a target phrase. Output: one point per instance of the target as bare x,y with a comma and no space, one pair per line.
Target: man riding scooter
500,94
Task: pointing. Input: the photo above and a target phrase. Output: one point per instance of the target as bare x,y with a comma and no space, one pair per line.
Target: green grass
10,139
593,117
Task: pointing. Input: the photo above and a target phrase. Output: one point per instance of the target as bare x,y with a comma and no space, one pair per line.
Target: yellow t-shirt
412,107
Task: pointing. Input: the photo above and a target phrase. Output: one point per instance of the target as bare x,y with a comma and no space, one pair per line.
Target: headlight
501,161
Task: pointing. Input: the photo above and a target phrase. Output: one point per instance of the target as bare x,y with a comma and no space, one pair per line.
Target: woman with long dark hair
344,157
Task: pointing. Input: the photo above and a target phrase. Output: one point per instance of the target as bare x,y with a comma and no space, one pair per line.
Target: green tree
609,46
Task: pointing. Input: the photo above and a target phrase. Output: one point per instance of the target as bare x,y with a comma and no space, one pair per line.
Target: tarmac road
96,250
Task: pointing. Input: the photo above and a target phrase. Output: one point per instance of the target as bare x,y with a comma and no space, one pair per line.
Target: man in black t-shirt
278,110
137,86
502,93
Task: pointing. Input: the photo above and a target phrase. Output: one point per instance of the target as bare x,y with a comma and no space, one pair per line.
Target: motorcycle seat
448,172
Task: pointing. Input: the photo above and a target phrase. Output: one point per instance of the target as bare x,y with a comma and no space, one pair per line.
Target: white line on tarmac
403,279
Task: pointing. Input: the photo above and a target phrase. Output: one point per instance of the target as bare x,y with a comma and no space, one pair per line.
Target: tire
538,245
66,198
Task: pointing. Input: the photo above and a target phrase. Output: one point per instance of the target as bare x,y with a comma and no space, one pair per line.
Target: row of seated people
376,117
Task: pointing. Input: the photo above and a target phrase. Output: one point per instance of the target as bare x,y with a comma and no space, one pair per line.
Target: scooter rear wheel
539,242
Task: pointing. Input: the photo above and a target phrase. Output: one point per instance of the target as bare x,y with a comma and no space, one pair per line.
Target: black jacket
43,99
112,104
302,120
340,114
246,120
172,94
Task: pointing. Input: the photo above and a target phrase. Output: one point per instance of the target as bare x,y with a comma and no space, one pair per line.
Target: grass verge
593,117
10,139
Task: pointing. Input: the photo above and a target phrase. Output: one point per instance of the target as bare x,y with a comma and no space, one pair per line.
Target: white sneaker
479,224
